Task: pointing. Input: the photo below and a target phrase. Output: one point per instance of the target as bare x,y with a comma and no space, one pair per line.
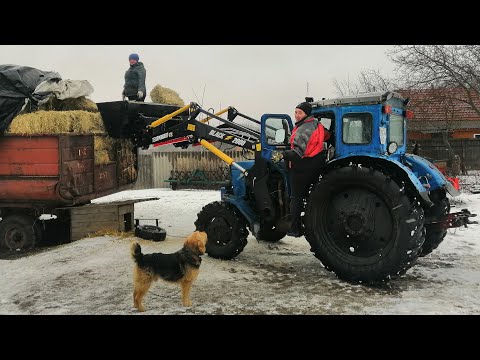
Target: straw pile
57,122
107,149
163,95
80,103
126,155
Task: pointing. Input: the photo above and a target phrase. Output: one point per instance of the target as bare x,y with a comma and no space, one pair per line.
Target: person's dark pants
135,98
304,173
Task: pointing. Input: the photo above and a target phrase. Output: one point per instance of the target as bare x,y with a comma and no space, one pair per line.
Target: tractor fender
420,168
243,207
423,167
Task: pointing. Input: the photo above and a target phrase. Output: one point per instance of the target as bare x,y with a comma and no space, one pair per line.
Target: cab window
274,124
357,128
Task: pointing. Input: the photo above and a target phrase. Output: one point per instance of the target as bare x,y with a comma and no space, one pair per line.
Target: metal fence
467,149
155,168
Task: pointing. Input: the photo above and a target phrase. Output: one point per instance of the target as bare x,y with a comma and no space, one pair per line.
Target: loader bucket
122,119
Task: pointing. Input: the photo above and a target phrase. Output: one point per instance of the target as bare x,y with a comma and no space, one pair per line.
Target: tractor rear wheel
435,237
226,230
362,226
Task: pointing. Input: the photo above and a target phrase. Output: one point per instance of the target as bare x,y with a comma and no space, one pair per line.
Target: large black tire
150,232
226,230
17,231
435,237
270,234
362,226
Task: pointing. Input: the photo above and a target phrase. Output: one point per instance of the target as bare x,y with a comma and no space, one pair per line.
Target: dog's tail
136,252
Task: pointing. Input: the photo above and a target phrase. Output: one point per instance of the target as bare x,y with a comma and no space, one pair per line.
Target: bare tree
453,68
367,81
446,76
441,66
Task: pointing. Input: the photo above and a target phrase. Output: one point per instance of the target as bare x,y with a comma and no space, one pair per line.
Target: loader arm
192,131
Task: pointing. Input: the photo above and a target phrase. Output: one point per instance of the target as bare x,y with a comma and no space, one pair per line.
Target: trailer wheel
434,238
362,226
226,230
18,231
270,234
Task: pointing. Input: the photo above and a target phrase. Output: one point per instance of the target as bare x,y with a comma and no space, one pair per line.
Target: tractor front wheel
226,230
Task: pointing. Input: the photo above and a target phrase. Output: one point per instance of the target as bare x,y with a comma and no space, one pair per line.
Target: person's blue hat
133,56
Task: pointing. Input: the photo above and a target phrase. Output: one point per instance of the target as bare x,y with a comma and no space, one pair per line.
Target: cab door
275,132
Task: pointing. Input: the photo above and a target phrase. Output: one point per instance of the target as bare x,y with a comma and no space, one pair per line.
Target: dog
181,267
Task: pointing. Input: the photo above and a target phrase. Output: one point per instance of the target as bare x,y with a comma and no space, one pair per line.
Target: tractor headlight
392,147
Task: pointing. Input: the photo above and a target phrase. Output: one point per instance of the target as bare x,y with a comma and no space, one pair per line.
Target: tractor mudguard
436,180
250,217
422,190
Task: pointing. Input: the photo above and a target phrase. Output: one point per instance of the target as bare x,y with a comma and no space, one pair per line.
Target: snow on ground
94,275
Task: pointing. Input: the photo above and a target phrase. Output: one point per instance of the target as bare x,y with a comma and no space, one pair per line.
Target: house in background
442,111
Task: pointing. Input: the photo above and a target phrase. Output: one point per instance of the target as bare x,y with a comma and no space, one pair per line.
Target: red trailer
49,174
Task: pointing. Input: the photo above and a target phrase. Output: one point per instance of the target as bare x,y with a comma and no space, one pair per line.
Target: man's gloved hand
290,155
139,94
277,156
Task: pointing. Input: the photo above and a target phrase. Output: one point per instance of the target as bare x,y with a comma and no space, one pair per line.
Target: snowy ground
94,275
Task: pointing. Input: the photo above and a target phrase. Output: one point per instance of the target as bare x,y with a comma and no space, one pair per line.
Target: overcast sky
256,79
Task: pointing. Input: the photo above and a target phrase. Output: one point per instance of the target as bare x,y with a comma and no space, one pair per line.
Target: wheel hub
354,222
359,222
14,238
219,231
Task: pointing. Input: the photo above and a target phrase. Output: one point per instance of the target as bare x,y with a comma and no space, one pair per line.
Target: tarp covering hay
164,95
80,103
107,149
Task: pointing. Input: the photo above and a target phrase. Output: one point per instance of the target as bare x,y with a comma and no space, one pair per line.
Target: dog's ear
203,236
200,240
196,242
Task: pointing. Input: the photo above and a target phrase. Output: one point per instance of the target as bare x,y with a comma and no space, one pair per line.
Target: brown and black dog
181,267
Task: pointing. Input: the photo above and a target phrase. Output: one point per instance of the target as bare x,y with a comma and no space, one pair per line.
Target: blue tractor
374,210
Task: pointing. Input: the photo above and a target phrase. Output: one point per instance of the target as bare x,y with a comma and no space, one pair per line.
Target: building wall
465,134
416,135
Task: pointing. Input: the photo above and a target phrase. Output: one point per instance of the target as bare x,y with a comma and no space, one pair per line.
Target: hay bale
80,103
57,122
104,142
107,149
101,157
105,146
126,161
163,95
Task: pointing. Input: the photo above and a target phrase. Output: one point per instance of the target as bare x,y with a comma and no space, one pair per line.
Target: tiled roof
441,104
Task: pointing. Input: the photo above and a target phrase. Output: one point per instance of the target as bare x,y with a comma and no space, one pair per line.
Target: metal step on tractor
374,210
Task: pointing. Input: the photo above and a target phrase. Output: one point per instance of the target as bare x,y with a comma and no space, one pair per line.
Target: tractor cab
371,123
